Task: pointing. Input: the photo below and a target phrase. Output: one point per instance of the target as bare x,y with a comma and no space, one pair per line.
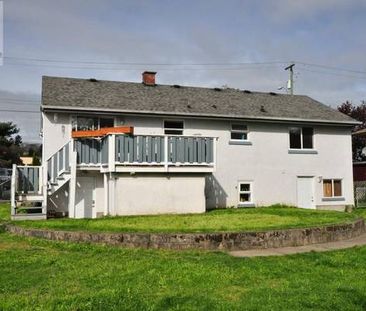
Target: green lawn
214,221
37,274
4,211
360,212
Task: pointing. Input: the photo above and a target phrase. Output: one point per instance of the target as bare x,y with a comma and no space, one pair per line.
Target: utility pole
290,83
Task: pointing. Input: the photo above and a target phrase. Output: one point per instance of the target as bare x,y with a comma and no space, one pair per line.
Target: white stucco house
122,148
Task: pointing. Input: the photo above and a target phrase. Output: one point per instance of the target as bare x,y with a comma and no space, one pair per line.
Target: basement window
173,127
332,188
245,193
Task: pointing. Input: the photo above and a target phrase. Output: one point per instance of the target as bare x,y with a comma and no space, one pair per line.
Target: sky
210,43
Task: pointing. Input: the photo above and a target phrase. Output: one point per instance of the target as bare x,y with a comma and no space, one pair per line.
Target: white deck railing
146,150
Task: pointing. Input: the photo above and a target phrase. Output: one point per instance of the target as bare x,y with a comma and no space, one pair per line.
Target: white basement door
85,196
305,192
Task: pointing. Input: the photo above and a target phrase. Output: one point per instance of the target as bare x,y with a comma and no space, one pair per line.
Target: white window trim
251,202
244,141
302,149
74,117
174,129
340,197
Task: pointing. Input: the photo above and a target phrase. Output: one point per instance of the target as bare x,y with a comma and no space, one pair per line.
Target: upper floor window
173,127
332,188
301,137
91,123
239,132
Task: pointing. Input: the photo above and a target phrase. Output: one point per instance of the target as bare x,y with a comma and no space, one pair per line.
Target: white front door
85,197
305,192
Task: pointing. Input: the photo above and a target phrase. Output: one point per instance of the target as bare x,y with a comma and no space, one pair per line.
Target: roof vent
189,106
214,106
93,80
176,86
217,89
263,109
272,93
247,91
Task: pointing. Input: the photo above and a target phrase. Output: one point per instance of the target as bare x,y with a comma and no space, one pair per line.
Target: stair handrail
59,162
63,146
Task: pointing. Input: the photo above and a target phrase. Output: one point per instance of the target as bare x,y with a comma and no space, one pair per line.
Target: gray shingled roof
83,94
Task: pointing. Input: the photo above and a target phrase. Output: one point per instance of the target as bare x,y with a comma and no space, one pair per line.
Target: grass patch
4,212
360,212
37,274
226,220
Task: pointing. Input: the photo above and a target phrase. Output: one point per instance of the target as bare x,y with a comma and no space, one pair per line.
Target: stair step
28,208
35,216
30,197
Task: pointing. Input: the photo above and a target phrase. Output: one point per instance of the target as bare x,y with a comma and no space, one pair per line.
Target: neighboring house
359,167
359,172
121,148
26,160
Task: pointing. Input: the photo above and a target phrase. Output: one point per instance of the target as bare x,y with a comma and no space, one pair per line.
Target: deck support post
166,148
43,185
72,183
112,193
111,153
13,190
106,194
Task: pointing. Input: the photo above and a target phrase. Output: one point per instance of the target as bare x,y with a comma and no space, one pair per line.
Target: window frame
240,132
174,129
302,149
332,183
74,118
248,203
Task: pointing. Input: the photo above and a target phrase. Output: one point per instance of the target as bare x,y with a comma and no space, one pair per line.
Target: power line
25,111
17,104
332,68
135,69
179,64
334,74
20,100
143,63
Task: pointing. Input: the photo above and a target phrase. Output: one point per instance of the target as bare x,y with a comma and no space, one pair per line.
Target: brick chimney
148,78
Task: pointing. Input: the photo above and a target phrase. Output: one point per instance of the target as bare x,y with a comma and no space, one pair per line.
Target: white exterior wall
266,163
56,132
159,194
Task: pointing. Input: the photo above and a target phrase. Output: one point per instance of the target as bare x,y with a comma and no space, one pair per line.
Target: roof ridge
170,85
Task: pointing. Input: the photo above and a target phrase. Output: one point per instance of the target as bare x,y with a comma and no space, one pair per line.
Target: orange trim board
103,131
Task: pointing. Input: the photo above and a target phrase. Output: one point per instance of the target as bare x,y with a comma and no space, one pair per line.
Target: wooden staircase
33,185
27,201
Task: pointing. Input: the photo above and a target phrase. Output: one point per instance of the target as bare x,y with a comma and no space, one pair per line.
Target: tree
358,113
36,161
10,144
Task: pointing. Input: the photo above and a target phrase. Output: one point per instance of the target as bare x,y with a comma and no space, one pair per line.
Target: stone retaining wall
207,241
